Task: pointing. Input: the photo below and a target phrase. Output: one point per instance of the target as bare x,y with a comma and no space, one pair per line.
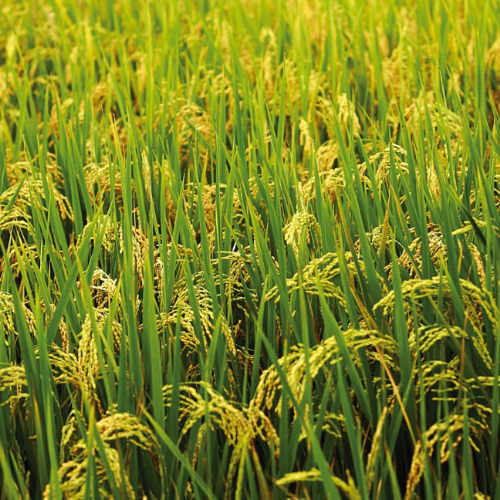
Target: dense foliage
249,249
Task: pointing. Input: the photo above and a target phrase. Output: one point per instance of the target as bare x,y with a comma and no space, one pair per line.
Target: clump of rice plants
249,249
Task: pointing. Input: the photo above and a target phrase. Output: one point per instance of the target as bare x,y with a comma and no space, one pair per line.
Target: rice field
249,249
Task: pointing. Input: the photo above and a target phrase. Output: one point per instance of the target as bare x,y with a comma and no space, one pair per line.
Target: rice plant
249,249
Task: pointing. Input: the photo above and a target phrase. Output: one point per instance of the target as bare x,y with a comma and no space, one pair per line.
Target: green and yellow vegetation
249,249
